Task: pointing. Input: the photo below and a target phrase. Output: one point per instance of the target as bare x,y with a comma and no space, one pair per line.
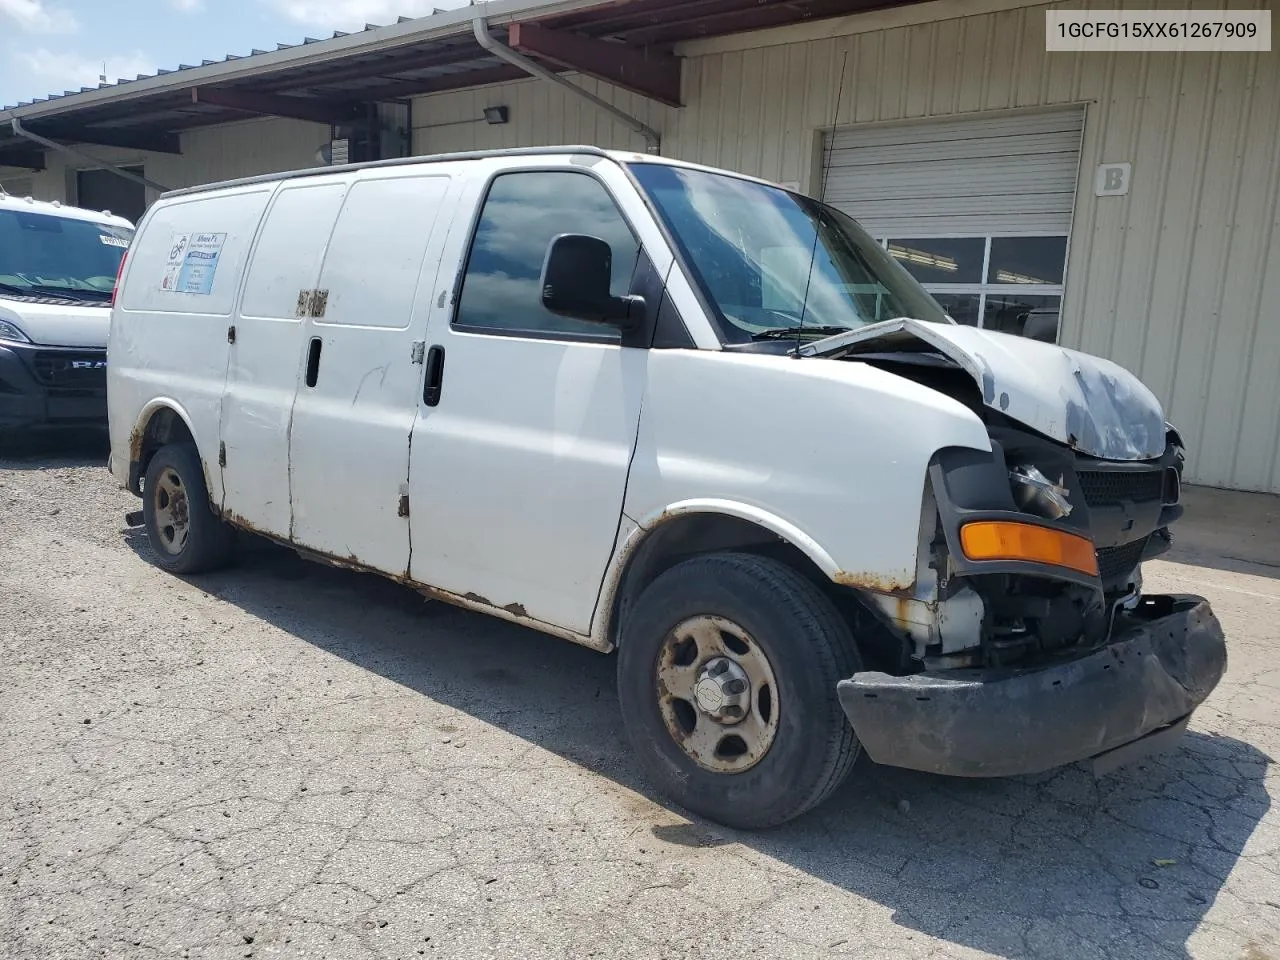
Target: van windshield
775,263
43,255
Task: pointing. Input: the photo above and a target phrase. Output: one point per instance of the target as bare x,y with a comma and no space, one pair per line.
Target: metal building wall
245,149
209,154
1179,281
541,115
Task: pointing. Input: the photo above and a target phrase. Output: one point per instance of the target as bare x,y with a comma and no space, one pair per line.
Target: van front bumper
1130,697
44,386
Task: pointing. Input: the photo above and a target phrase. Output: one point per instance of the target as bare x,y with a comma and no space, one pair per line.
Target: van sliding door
358,397
268,353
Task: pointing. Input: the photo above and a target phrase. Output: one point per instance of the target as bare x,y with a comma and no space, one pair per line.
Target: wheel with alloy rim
727,670
185,534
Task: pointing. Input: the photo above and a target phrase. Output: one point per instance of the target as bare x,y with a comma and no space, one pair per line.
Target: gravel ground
289,761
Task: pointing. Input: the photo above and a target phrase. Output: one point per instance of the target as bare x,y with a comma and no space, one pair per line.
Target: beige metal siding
16,186
1179,281
541,115
244,149
1006,172
209,154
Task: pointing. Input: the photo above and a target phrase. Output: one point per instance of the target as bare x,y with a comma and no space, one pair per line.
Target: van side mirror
575,282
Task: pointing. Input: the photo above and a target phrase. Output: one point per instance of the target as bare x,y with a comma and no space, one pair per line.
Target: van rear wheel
727,673
185,534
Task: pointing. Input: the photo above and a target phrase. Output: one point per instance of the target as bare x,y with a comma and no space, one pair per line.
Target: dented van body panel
363,359
1090,404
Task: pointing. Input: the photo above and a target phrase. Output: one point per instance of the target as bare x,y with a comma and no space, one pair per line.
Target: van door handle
434,380
313,361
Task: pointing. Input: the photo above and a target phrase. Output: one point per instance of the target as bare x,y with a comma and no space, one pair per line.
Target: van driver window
522,214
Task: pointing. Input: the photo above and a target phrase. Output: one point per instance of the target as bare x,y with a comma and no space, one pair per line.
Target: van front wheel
185,534
727,673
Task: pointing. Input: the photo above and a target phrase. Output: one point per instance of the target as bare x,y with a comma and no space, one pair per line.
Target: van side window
522,214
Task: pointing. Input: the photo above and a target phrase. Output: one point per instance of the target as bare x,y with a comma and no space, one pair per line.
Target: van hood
1092,405
59,323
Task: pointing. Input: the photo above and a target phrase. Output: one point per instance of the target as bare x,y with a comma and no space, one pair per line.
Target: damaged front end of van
1026,642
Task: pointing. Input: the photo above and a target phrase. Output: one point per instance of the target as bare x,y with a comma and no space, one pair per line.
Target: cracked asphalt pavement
285,760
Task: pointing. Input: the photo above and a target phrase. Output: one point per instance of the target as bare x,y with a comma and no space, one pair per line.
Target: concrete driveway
289,761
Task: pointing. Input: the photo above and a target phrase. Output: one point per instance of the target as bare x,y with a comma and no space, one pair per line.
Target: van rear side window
227,222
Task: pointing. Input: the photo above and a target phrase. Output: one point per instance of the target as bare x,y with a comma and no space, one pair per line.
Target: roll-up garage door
1005,173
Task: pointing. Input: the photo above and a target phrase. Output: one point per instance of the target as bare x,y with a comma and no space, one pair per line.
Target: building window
1010,284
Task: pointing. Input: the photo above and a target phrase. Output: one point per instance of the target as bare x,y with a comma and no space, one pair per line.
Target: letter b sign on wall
1112,179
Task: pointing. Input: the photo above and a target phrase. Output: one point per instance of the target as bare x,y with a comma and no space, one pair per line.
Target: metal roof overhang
625,42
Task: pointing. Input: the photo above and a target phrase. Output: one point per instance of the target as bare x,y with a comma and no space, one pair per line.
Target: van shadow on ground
1053,865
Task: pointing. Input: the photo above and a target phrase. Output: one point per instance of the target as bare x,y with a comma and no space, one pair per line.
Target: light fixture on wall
494,116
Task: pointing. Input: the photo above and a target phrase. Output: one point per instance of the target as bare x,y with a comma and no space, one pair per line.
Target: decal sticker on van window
110,241
193,263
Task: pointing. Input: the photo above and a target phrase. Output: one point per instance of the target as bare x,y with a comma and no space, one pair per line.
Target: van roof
621,156
54,209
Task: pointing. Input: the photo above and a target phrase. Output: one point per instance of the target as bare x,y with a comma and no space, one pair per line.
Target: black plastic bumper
1162,663
52,386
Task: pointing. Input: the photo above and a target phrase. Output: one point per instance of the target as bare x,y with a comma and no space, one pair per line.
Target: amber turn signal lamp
1006,540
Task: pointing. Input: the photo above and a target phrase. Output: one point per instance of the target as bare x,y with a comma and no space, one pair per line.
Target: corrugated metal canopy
326,79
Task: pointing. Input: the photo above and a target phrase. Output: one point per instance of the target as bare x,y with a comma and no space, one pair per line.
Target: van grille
1115,562
1109,488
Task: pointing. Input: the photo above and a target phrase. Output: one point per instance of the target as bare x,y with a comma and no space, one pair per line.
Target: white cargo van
685,414
58,265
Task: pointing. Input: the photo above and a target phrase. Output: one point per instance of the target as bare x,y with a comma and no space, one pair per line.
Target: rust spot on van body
876,582
352,562
233,518
135,442
469,601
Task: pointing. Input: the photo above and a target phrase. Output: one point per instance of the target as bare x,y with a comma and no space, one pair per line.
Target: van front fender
752,514
633,536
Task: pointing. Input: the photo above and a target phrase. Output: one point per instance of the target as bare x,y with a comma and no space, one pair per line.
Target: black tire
809,649
208,542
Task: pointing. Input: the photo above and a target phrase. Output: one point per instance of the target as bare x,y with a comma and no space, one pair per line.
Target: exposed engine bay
1003,613
1108,495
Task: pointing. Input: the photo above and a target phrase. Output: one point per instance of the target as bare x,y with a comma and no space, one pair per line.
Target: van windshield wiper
72,293
816,330
50,290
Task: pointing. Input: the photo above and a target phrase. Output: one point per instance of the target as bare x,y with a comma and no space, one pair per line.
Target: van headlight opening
1010,540
1036,493
12,332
